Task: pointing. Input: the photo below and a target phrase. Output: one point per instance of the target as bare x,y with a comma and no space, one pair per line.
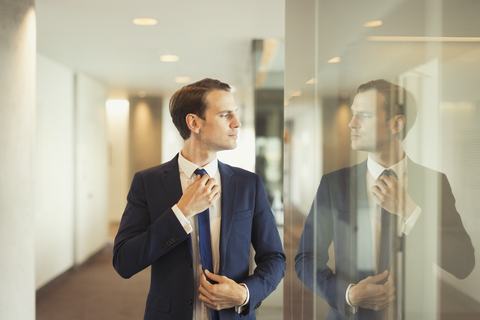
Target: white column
17,124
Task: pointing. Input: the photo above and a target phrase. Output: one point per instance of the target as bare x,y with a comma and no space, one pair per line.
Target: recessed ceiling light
182,79
145,21
335,60
373,23
169,58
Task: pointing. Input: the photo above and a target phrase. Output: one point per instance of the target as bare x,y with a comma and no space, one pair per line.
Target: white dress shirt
187,177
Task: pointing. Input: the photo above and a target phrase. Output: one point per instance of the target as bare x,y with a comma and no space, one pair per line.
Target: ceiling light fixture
145,21
182,79
425,39
335,60
169,58
373,23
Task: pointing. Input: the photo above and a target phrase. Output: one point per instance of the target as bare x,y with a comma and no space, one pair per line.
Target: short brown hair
191,99
398,101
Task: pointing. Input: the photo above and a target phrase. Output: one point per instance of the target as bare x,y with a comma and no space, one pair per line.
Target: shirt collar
375,169
189,167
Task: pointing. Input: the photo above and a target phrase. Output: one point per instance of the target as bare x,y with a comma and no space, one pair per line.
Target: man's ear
398,122
192,123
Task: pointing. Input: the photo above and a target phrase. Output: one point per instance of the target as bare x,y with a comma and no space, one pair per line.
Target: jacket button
190,302
190,263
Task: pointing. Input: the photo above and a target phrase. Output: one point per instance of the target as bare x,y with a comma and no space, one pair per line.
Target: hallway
87,293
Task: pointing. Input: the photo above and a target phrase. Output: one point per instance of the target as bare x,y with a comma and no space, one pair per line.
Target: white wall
71,169
118,119
17,122
54,170
91,167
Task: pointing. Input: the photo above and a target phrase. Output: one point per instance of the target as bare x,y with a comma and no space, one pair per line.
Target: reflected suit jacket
151,235
333,217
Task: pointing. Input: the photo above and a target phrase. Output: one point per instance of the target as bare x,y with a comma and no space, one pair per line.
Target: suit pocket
158,303
241,215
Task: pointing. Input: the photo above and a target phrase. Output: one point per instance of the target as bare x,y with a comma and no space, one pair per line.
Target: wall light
182,79
169,58
117,108
373,23
335,60
145,21
424,39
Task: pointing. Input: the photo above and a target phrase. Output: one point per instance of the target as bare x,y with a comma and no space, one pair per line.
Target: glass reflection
431,49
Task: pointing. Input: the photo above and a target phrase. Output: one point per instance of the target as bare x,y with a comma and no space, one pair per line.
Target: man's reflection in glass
370,209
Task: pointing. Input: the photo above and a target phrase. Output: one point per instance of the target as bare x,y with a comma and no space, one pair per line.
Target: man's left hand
225,294
393,197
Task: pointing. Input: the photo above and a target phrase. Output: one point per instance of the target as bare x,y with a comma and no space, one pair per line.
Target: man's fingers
379,277
213,276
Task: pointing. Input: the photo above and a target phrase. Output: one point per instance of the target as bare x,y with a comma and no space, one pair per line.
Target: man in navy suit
160,225
389,195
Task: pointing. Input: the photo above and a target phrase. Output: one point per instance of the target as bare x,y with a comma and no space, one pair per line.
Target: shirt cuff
183,221
350,306
408,225
239,309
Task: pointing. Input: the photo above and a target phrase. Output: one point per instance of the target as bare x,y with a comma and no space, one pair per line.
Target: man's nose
236,122
353,123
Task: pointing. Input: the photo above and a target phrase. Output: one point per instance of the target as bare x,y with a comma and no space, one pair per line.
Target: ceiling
211,37
336,29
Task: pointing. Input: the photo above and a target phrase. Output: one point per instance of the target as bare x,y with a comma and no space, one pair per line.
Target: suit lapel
171,181
229,195
173,187
358,196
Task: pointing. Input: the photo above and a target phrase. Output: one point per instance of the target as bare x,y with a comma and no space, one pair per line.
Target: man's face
219,130
370,130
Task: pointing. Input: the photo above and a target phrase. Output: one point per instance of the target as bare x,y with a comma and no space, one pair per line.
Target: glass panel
344,221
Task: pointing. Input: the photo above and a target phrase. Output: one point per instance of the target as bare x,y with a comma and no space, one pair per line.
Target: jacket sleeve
457,254
269,256
312,256
139,241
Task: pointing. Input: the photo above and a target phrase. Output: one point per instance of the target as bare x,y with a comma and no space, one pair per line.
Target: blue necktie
205,242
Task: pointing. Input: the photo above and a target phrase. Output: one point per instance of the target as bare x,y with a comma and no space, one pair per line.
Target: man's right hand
199,196
370,295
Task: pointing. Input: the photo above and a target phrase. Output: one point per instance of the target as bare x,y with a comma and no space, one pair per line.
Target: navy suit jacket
333,217
151,235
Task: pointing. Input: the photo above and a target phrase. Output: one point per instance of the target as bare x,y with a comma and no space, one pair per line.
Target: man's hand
199,196
393,197
223,295
370,295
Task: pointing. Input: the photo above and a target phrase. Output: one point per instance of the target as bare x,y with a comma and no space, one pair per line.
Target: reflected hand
392,196
370,295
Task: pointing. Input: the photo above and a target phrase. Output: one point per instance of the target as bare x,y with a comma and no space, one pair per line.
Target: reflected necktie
384,255
386,232
205,241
